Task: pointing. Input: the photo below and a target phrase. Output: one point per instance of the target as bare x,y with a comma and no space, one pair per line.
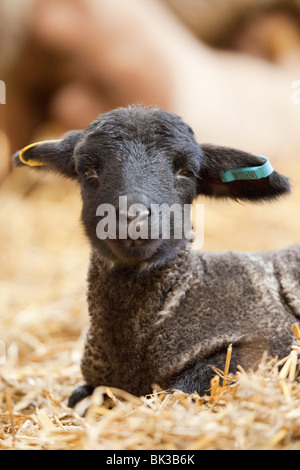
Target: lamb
161,313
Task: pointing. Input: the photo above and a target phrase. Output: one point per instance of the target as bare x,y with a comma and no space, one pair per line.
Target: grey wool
168,326
161,313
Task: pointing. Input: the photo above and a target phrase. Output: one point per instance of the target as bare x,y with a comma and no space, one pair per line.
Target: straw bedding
43,322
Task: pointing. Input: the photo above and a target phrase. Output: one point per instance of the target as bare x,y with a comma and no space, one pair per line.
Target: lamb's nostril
143,215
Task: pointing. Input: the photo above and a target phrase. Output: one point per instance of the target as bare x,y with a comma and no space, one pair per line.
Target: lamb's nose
133,207
134,221
135,211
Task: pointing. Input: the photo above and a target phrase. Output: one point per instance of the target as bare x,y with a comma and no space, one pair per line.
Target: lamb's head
138,167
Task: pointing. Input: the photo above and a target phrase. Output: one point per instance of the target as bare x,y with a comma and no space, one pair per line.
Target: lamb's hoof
79,394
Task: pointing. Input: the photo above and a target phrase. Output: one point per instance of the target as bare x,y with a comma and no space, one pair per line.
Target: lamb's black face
140,168
132,165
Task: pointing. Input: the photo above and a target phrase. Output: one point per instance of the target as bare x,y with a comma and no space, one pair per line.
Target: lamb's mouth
134,250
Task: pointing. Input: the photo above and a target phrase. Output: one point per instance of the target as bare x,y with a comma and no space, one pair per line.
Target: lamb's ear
51,155
230,173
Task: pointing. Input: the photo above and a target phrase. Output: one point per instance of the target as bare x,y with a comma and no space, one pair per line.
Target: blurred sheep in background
66,61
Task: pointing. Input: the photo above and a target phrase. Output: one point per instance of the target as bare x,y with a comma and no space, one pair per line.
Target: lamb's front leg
94,367
198,377
79,394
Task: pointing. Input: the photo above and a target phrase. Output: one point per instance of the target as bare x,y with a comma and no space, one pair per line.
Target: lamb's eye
90,172
186,173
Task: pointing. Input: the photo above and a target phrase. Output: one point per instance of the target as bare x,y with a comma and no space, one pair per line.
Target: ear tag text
248,173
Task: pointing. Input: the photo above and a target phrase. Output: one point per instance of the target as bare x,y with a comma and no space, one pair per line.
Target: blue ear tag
248,173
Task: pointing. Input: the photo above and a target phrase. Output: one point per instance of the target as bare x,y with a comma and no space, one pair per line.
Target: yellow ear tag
34,162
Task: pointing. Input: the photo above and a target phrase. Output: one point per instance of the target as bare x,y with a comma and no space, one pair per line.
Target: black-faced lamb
160,312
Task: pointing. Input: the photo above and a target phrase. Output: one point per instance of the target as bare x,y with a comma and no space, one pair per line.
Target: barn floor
43,322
